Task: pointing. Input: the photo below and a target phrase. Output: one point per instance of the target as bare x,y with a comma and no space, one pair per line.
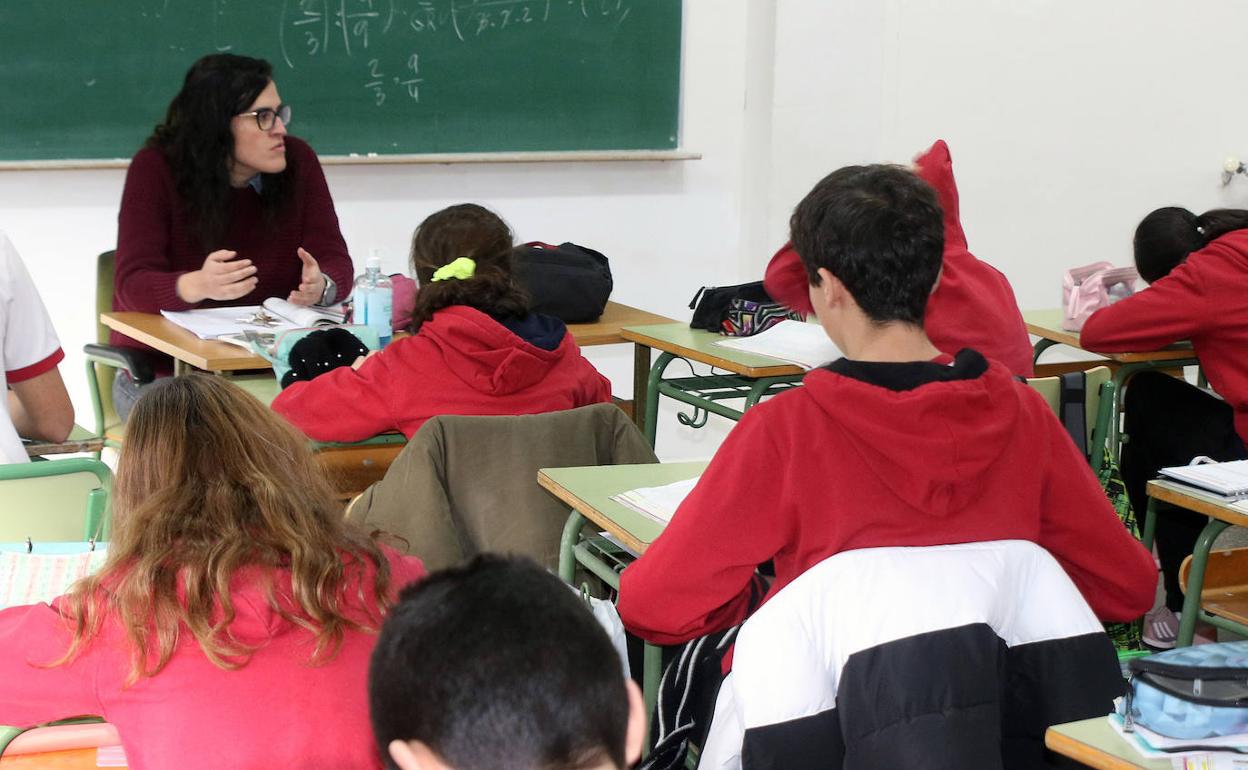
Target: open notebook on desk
797,342
659,503
1228,479
228,324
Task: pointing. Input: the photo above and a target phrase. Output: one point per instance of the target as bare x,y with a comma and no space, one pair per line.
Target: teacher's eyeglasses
266,117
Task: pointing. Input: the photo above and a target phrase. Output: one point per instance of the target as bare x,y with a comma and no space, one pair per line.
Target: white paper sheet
659,503
797,342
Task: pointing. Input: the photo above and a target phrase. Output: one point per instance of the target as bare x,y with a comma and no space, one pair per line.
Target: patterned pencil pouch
745,317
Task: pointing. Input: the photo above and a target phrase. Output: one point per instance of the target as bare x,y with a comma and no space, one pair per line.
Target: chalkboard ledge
574,156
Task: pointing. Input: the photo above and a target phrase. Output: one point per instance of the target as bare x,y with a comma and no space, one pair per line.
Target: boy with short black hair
498,665
896,444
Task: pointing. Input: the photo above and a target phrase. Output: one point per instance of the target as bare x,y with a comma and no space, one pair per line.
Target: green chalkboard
90,78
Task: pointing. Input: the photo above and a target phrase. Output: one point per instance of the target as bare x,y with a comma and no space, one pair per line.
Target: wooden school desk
1094,743
1221,515
749,376
588,491
1047,325
80,440
190,352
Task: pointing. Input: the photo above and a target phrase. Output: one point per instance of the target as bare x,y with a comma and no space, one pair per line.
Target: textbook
228,324
659,503
796,342
1229,479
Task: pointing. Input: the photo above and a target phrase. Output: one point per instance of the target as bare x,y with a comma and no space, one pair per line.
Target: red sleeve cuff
35,369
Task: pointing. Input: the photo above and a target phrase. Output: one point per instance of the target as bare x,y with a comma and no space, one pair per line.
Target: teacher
223,207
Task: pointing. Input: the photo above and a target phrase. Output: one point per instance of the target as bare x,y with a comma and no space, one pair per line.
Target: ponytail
466,230
490,290
1218,222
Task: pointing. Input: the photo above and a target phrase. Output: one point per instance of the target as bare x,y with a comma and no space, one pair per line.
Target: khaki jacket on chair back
464,485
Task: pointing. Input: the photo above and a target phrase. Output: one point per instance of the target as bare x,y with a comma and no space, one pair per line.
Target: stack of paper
659,503
1229,479
797,342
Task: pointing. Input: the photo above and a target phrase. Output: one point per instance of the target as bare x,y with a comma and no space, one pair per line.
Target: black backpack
570,282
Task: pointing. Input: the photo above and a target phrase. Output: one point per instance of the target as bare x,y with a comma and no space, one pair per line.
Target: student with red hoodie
973,305
232,623
1197,268
475,348
897,444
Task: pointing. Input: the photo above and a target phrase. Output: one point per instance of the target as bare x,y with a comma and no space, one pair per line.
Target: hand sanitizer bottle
374,298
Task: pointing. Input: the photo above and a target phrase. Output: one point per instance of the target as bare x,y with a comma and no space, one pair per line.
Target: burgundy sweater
155,243
1204,300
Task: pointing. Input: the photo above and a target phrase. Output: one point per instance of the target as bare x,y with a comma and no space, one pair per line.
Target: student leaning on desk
223,207
897,444
233,620
1197,268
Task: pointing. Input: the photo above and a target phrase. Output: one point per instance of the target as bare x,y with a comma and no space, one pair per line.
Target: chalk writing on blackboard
310,29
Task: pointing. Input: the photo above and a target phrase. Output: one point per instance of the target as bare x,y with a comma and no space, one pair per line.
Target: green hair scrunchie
458,270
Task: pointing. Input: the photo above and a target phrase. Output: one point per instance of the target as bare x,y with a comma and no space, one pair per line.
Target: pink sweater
276,711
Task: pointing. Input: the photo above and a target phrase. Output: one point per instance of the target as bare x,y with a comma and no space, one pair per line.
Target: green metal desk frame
1192,610
593,486
746,376
705,392
1127,365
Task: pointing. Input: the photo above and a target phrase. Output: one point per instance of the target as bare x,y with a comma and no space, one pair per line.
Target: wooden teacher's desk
190,352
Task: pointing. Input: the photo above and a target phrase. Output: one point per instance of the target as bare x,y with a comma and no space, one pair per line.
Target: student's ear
635,736
830,288
414,755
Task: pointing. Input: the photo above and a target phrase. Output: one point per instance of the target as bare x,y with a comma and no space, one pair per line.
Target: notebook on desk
1228,479
229,323
796,342
659,503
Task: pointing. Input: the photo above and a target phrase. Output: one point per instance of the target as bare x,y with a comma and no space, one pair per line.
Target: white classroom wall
1067,121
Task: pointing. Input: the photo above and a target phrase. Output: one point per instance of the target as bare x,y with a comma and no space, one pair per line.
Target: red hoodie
842,463
278,710
973,305
460,362
1204,300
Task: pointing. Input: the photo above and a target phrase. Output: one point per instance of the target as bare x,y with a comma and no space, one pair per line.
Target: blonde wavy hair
210,482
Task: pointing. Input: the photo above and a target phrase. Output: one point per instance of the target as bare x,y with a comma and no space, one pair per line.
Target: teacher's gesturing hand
222,278
311,282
